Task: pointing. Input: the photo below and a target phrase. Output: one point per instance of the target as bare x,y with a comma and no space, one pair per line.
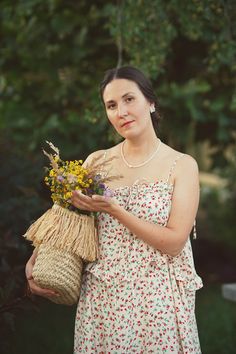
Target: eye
111,106
129,99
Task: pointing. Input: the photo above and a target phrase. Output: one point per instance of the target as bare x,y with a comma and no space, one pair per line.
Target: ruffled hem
182,269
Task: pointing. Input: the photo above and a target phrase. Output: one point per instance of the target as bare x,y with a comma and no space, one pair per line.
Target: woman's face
127,108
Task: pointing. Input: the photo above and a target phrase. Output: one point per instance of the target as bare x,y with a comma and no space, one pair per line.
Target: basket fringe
65,230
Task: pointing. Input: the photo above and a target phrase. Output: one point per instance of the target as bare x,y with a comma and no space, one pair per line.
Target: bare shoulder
95,154
187,170
175,155
100,153
184,165
92,156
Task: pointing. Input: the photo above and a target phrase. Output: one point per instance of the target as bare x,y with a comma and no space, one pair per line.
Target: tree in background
189,50
54,54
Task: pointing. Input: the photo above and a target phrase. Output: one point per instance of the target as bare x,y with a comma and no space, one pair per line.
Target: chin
131,135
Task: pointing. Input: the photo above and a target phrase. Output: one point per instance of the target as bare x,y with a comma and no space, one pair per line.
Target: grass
50,331
216,319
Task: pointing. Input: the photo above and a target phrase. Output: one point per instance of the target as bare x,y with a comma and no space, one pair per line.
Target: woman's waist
130,267
126,267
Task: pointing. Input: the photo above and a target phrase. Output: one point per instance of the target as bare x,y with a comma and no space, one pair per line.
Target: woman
139,297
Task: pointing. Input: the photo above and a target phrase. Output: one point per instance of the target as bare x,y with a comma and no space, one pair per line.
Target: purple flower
97,177
102,185
108,193
89,191
60,178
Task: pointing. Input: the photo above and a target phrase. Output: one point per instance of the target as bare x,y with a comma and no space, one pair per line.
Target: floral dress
134,298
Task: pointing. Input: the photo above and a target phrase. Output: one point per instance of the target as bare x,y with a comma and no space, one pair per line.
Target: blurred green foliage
53,55
49,85
189,50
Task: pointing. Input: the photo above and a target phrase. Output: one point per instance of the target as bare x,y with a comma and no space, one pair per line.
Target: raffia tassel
65,230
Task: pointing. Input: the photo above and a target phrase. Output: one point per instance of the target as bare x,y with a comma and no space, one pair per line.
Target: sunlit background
53,56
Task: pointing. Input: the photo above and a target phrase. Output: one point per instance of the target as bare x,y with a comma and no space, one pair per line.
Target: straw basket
64,240
60,271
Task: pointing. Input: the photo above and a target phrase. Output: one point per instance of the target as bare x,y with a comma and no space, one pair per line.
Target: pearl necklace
141,164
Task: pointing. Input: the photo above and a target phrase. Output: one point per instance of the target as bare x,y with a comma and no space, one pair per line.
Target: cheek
111,118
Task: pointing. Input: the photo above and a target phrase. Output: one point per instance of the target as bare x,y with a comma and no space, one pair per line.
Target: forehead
118,88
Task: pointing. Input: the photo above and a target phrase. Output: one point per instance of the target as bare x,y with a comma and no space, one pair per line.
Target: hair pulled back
144,84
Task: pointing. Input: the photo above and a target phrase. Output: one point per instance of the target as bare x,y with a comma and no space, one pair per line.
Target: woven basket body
59,270
63,240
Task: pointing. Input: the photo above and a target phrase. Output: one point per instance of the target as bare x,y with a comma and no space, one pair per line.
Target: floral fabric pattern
134,298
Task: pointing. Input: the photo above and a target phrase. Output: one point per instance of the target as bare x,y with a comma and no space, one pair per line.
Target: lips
127,123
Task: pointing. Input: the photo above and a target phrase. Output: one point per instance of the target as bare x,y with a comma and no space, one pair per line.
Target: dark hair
144,84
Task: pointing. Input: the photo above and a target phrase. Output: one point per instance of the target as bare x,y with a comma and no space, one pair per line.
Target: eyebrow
126,94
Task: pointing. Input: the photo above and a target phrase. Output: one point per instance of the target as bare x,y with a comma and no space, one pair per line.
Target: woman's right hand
35,289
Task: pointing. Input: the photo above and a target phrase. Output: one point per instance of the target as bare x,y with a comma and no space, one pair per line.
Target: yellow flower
68,195
52,173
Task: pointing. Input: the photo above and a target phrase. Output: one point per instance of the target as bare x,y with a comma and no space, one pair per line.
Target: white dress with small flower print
135,299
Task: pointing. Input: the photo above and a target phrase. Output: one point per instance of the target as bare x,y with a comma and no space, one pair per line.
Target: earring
152,109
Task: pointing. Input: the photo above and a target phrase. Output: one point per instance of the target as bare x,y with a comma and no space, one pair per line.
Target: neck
141,146
138,154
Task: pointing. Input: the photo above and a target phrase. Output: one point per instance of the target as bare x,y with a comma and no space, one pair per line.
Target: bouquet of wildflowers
64,235
63,177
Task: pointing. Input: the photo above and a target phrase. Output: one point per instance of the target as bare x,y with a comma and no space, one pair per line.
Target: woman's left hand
94,203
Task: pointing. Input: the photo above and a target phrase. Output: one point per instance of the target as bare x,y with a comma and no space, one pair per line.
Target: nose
121,110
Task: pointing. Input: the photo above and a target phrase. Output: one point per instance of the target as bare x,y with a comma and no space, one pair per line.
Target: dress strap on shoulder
102,171
173,166
104,155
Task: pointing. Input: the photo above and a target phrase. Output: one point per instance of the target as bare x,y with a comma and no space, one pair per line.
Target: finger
82,205
81,197
93,203
44,292
103,200
100,198
83,202
78,201
35,289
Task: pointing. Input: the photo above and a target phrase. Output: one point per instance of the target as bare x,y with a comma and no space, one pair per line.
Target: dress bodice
123,256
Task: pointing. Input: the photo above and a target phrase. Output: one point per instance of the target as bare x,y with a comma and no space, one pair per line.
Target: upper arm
185,199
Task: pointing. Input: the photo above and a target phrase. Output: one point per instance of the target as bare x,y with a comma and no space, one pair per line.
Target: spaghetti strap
173,166
104,155
102,171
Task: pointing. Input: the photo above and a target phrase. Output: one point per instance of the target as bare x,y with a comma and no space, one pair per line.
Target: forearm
34,255
159,237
